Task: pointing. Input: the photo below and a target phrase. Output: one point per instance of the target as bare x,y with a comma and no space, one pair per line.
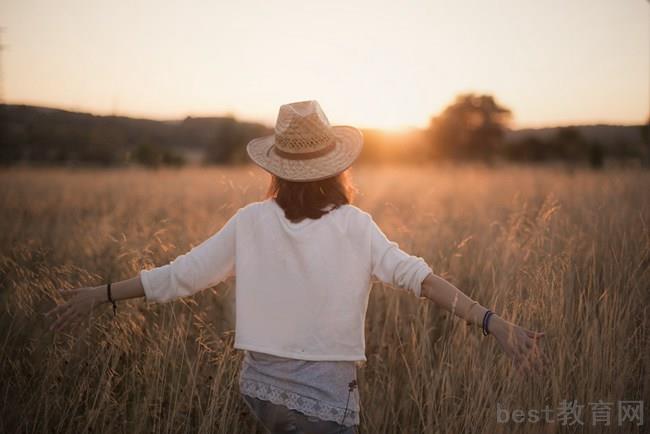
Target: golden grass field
566,252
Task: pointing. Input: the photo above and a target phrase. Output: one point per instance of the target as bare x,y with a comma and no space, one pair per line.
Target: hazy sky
369,63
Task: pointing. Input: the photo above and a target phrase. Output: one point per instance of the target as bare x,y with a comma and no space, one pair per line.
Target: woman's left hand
519,343
79,305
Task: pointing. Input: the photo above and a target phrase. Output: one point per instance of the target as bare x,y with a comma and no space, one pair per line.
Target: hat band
302,155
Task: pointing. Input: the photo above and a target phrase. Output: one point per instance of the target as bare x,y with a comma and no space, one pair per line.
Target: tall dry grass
567,253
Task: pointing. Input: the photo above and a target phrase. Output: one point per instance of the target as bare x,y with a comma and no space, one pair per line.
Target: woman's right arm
203,266
83,300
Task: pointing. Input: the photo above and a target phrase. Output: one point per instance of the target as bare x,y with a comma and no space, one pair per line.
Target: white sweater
301,288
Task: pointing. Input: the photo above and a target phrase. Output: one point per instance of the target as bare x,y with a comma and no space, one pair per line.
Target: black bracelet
110,298
486,321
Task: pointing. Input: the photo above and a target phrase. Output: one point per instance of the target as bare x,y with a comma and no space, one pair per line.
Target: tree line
52,136
473,127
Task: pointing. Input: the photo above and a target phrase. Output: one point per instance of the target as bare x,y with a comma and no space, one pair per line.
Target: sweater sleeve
392,265
204,266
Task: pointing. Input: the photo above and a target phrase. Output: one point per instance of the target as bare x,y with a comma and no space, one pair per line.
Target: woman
303,258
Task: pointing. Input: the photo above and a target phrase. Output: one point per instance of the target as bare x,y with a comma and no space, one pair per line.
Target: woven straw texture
303,128
348,146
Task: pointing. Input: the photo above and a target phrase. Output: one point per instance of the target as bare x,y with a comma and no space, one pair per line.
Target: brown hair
301,200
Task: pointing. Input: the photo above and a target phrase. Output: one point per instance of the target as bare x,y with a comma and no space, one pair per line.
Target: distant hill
607,135
41,134
53,135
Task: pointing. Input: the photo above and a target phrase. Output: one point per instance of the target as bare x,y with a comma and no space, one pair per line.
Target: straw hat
305,147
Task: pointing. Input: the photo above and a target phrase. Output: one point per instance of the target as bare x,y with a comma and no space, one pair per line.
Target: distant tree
473,127
229,143
228,136
8,151
645,134
155,156
147,155
570,145
529,148
596,155
170,158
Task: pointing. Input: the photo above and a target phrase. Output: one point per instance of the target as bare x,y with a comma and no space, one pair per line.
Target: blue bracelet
486,321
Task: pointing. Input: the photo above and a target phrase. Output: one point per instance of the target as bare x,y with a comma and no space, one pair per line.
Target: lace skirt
315,388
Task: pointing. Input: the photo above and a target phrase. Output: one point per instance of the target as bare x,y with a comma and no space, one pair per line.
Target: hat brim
346,149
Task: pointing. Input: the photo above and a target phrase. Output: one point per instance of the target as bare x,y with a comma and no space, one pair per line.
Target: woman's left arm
519,343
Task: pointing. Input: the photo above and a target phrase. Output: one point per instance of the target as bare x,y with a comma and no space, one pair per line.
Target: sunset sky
372,63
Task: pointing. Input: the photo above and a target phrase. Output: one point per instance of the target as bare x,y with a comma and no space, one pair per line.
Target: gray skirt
278,419
300,393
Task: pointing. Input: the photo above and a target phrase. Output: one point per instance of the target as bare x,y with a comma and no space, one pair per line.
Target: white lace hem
294,401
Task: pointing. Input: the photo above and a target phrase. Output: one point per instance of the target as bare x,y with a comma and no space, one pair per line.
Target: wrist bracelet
486,321
110,298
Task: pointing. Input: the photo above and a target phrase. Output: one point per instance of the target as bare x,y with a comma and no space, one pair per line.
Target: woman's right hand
79,304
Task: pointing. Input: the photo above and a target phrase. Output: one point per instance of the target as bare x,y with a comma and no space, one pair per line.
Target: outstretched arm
393,265
204,266
84,300
519,343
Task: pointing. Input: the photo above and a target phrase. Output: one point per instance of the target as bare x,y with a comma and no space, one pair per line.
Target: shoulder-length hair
300,199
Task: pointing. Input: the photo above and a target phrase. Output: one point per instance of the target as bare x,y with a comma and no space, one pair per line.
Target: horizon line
406,128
